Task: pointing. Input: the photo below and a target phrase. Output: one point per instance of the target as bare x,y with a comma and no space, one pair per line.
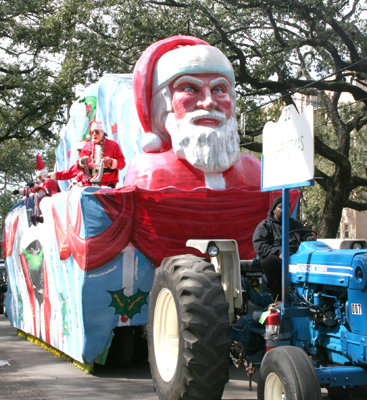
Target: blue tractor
318,336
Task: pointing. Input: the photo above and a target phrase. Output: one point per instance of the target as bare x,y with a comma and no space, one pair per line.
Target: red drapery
160,222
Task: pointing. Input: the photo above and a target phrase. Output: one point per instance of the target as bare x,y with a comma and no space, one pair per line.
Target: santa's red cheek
206,122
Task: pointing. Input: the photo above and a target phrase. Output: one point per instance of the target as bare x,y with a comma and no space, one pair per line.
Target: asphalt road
30,372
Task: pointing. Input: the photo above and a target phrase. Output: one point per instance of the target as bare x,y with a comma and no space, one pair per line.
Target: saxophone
97,169
97,172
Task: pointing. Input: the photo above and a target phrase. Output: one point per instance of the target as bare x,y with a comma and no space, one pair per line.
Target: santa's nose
206,100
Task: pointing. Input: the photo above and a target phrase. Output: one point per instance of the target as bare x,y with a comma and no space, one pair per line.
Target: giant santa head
185,97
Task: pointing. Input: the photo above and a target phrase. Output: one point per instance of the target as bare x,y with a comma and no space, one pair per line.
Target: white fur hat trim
200,59
41,172
96,125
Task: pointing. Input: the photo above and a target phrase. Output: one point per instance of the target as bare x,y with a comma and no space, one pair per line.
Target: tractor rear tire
287,372
188,330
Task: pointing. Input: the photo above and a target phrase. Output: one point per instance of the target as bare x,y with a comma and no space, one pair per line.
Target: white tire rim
165,335
273,388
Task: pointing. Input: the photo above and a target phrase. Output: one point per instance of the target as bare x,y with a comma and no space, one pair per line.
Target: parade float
85,274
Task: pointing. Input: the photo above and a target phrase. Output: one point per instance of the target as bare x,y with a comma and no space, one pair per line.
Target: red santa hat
41,169
162,62
96,125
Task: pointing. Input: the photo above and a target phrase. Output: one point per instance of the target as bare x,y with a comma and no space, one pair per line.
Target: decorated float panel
111,101
61,288
89,266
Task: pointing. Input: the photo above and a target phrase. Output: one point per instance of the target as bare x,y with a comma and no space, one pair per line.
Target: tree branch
254,146
321,178
355,205
341,33
335,156
356,181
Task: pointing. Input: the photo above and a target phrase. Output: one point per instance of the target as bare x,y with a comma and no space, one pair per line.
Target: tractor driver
267,241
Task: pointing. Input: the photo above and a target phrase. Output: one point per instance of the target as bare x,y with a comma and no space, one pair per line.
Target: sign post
288,162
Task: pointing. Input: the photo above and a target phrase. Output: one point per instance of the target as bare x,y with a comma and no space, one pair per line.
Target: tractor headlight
213,249
359,274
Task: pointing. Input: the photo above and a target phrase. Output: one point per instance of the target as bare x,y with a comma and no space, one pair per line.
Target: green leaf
128,305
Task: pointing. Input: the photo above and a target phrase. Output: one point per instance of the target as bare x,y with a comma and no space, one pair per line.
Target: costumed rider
101,159
184,91
73,171
46,187
267,241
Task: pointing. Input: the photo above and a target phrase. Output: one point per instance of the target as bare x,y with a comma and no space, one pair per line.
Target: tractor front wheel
188,330
287,373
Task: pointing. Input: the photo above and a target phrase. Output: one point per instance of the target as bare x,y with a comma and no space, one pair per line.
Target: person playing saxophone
101,159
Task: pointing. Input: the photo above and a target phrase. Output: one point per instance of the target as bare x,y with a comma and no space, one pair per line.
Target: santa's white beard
208,148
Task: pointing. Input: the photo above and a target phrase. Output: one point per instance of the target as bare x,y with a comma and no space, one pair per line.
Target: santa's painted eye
188,88
218,90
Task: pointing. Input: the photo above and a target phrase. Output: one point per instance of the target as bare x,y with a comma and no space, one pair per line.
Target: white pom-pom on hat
151,142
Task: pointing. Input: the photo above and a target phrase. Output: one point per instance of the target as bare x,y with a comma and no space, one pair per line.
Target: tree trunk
337,193
337,186
332,213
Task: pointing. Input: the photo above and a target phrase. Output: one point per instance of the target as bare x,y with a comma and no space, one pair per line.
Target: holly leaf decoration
128,305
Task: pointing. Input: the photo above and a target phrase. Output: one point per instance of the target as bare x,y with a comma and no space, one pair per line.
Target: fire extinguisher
272,329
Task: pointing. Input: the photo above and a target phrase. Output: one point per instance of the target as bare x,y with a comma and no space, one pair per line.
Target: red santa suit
110,174
49,187
72,172
155,171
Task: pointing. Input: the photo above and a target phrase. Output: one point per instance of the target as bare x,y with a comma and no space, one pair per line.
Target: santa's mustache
195,115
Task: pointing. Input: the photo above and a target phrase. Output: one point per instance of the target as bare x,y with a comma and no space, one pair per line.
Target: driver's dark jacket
267,238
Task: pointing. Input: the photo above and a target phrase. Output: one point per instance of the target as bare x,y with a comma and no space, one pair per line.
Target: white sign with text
288,149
